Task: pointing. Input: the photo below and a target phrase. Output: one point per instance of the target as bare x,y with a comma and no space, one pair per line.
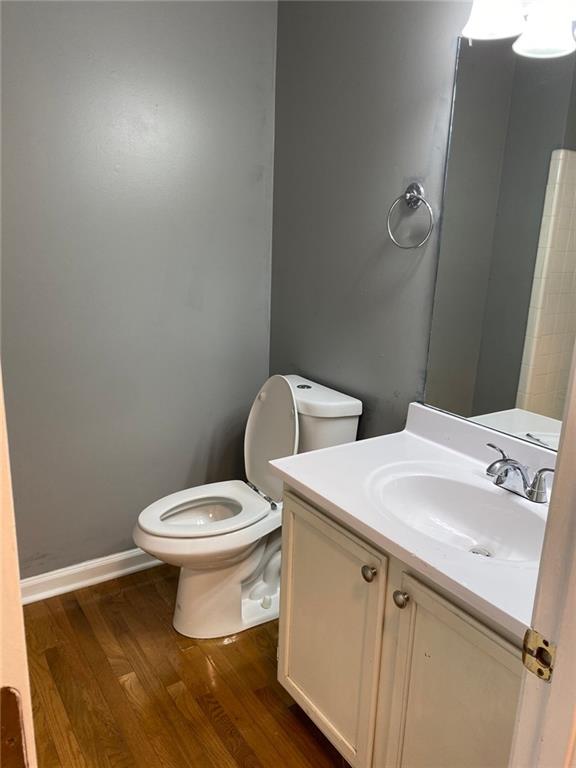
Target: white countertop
338,481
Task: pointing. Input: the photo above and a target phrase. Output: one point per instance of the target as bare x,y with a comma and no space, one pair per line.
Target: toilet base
255,613
225,601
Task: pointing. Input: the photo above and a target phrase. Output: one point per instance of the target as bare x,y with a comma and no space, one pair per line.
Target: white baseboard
63,580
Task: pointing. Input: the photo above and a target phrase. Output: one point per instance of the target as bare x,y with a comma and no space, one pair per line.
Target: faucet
509,474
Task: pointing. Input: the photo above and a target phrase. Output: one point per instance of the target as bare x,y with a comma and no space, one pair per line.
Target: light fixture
548,33
495,20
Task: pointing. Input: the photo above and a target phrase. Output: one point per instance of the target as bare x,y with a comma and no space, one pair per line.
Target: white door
17,734
333,592
545,735
455,690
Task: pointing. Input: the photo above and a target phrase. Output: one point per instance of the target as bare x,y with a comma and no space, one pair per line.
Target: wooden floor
114,685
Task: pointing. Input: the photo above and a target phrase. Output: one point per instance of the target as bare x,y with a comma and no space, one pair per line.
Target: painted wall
137,149
363,96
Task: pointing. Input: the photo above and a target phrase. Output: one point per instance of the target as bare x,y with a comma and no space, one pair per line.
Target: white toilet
226,536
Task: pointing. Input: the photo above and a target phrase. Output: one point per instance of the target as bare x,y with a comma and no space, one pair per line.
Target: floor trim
84,574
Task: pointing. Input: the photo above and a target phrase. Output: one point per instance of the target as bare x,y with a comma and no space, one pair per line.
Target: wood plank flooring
115,686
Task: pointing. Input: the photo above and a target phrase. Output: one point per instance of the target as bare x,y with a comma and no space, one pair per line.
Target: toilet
226,537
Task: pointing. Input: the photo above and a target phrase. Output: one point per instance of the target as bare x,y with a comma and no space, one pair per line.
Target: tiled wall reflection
551,329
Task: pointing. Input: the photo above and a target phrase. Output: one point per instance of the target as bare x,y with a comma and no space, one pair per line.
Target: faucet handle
496,467
500,451
538,490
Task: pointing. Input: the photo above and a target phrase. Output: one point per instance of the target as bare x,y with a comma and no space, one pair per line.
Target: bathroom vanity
408,580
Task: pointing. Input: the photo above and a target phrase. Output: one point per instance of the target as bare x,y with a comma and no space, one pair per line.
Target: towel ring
413,197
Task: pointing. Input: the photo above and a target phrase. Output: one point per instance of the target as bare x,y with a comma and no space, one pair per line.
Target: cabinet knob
368,573
401,599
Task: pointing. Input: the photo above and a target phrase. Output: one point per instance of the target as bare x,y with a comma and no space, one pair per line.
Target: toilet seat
206,510
220,508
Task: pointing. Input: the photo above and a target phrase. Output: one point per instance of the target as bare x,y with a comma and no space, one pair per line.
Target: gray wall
479,125
137,148
363,97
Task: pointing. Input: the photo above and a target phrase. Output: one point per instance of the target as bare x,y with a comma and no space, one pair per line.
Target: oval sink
488,522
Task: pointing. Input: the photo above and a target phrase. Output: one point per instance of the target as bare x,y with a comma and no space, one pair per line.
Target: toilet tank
325,417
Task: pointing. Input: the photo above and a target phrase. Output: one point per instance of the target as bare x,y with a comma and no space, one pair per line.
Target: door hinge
269,499
538,655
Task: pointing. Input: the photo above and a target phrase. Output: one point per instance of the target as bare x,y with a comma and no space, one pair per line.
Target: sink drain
480,551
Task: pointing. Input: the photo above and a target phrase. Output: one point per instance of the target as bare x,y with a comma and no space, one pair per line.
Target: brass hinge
538,655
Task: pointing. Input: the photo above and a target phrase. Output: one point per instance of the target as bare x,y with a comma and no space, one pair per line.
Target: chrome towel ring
413,197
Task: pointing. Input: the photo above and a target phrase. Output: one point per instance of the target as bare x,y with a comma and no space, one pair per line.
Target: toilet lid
271,433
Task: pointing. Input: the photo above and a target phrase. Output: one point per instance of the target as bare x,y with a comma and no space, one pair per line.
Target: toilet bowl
225,537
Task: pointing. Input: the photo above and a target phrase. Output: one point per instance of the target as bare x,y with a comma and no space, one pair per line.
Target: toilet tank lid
316,400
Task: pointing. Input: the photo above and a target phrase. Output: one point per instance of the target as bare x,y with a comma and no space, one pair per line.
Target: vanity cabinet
455,690
395,675
333,592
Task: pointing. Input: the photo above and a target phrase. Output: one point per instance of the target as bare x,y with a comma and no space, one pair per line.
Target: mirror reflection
504,320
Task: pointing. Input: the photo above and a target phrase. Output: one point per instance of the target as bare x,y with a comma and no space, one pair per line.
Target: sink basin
475,517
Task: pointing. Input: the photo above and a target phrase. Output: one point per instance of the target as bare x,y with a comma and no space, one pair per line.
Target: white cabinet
456,687
423,685
333,591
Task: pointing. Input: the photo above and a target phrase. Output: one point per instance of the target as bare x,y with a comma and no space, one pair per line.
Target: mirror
504,320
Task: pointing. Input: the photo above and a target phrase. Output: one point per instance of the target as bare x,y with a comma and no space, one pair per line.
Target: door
545,735
455,690
17,736
333,592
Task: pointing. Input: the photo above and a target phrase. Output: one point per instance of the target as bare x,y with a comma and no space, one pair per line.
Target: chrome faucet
512,476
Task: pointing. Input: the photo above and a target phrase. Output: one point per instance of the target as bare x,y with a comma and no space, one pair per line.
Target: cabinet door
331,628
456,688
